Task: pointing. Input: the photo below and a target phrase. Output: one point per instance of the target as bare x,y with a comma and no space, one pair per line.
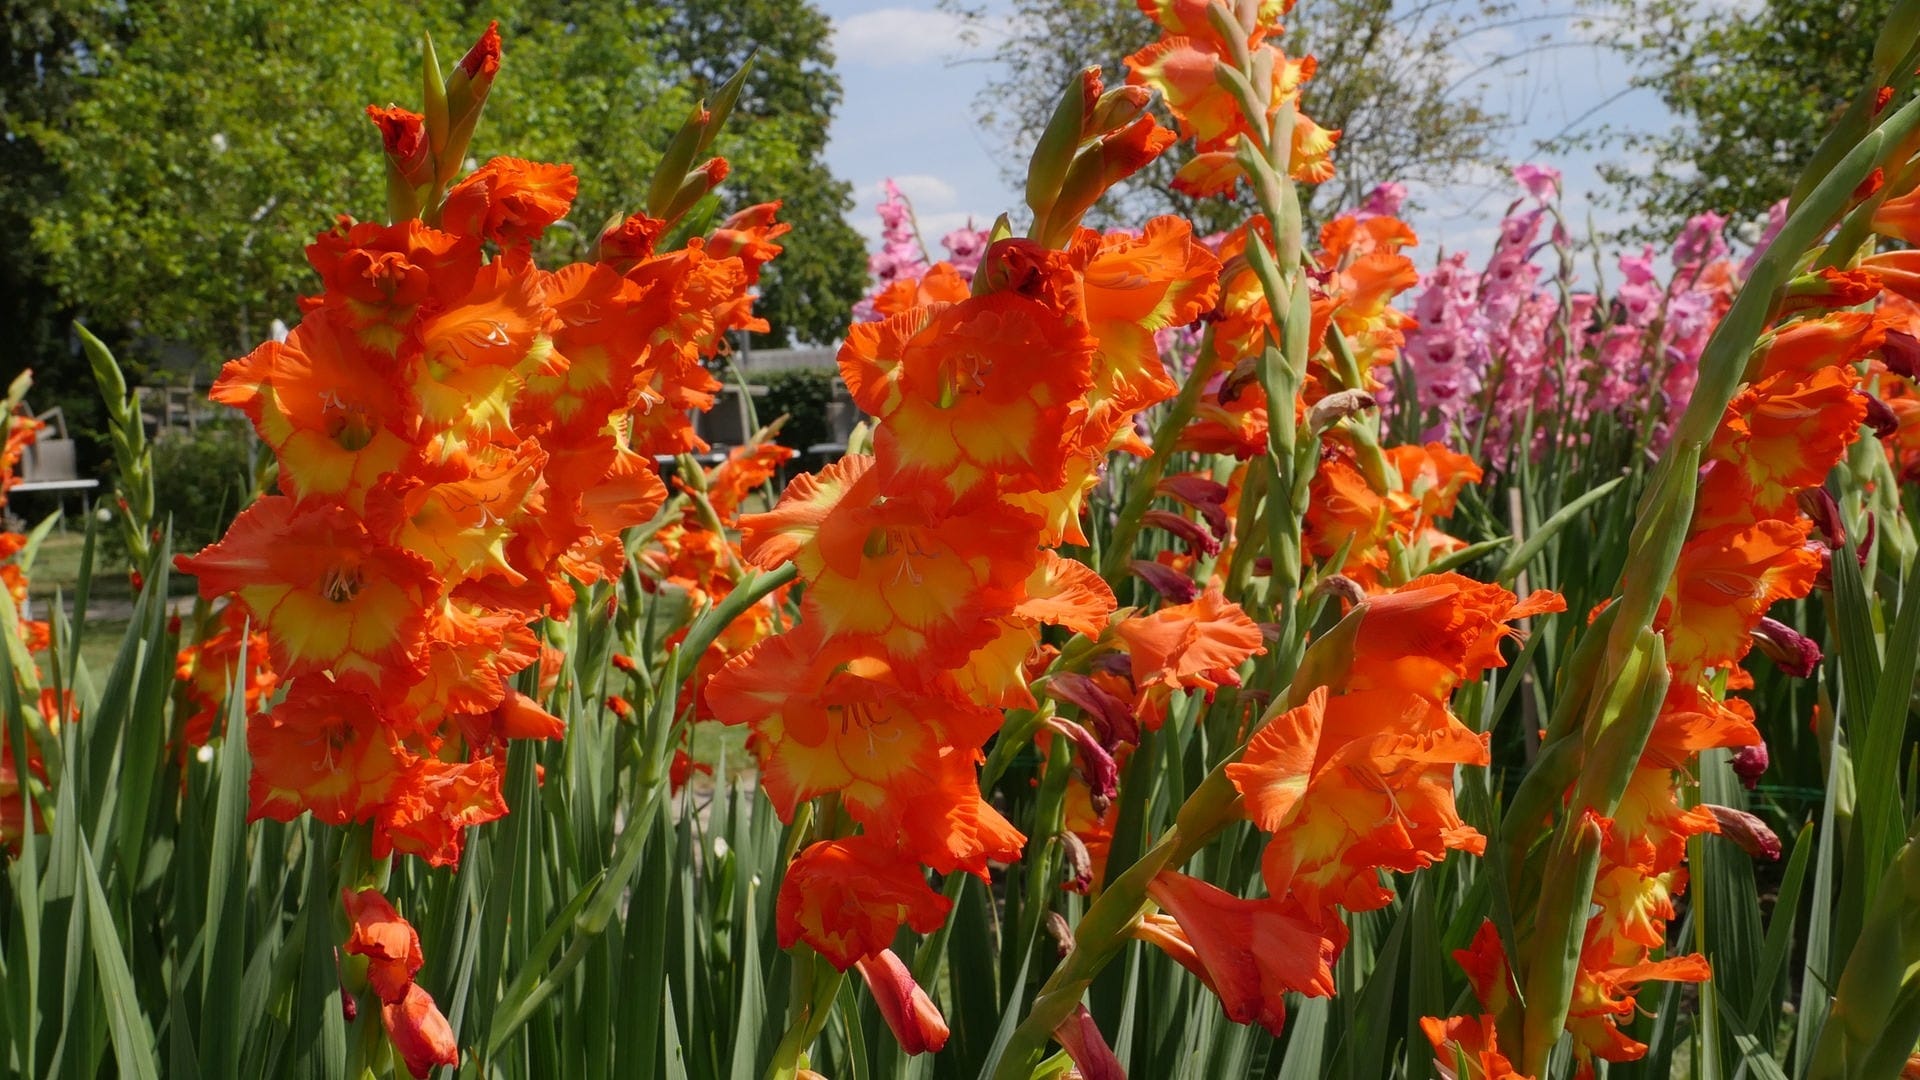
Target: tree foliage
791,96
1391,78
194,147
1752,89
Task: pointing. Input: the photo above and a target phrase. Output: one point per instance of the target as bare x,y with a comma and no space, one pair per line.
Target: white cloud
898,37
923,191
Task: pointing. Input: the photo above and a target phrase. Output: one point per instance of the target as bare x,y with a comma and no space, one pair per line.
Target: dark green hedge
803,394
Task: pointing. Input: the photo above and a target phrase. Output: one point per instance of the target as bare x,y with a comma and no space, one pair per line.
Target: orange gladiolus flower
510,201
389,942
1437,631
983,388
1603,997
323,749
1132,288
331,409
379,277
848,898
835,715
1352,784
901,562
428,811
207,668
332,597
1804,347
1250,953
1192,646
1727,578
1787,432
1471,1039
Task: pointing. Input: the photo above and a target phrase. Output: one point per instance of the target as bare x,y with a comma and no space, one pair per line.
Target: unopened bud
1901,353
1079,873
1748,832
1065,131
1119,107
1750,764
1057,927
1791,651
1880,417
1172,585
1096,766
1342,588
1335,407
1818,505
1199,540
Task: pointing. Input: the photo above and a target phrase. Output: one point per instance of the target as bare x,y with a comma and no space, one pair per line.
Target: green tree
808,293
206,142
1389,78
1752,90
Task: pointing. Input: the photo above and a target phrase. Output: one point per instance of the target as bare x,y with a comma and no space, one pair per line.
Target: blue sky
911,85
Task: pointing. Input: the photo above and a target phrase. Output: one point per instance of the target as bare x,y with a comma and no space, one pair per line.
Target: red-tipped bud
483,60
1092,1058
907,1009
1901,353
1096,766
1750,764
1791,651
1199,540
619,707
1172,585
1818,505
1204,494
1745,830
1880,417
1110,714
403,134
420,1032
625,663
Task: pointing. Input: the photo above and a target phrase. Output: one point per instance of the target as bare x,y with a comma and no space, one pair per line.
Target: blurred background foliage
163,163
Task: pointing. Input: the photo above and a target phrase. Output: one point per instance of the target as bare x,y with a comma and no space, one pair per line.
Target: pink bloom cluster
902,255
1513,348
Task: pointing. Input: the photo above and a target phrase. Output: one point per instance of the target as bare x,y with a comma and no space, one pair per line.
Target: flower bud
1092,1058
1172,585
1079,880
1749,764
1901,353
907,1009
1880,417
1335,407
1745,830
1791,651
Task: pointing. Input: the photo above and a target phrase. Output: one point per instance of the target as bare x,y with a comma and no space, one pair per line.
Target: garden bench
53,465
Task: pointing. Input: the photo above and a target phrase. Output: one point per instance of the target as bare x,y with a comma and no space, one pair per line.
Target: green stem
1146,479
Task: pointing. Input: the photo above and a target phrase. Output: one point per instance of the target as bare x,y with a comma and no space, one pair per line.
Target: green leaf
133,1045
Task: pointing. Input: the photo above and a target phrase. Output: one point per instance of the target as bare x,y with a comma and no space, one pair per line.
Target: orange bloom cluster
927,569
21,429
207,668
1348,515
703,565
1181,67
419,1032
1356,779
1749,546
461,437
1357,272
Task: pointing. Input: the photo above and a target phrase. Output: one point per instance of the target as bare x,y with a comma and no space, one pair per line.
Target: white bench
53,465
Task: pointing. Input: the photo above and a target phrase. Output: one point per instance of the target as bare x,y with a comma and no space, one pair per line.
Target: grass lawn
56,572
